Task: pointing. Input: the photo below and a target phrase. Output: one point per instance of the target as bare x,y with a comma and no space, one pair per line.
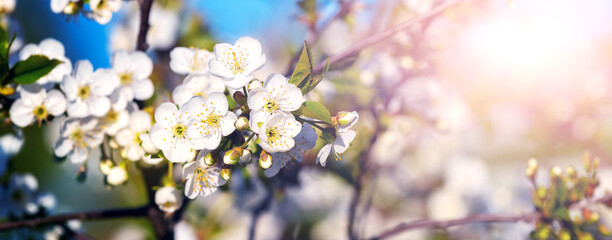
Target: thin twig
383,35
145,10
91,215
483,218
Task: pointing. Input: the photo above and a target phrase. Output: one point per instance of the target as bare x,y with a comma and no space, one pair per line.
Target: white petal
181,94
52,48
77,109
227,123
258,117
83,69
98,106
179,60
219,102
180,152
147,145
166,113
141,65
217,68
104,82
143,89
133,152
70,87
55,102
239,81
63,146
77,155
124,137
140,121
160,137
343,140
324,154
57,6
28,50
21,114
256,98
191,191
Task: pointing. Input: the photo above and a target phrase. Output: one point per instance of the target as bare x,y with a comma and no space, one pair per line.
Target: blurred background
450,111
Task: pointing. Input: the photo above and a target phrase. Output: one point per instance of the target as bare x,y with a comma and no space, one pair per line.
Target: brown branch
91,215
466,220
145,10
383,35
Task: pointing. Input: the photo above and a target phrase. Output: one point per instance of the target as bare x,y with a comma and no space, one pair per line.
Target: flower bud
82,173
532,168
106,165
254,84
231,157
265,160
7,90
346,119
226,173
117,176
555,171
571,172
245,159
209,159
239,98
242,124
72,8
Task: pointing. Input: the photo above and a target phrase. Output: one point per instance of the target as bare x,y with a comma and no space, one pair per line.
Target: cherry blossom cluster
99,10
219,116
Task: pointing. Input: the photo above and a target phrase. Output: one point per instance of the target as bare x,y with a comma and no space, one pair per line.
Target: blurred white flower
62,6
236,63
163,27
131,232
304,141
210,119
201,179
36,104
276,132
343,137
117,176
168,199
276,96
7,6
129,137
190,60
102,10
114,120
20,196
47,201
184,231
77,138
380,68
9,147
52,49
445,204
197,85
169,133
150,149
87,92
133,70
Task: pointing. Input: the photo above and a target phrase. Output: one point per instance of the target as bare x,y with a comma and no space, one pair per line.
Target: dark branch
445,224
383,35
145,10
92,215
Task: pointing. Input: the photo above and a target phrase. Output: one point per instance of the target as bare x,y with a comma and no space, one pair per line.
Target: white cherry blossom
52,49
114,120
197,85
117,176
102,10
276,133
190,60
129,138
343,137
133,70
150,149
87,91
36,104
7,6
304,141
276,96
201,178
210,119
9,147
169,133
168,199
236,63
77,137
20,196
62,6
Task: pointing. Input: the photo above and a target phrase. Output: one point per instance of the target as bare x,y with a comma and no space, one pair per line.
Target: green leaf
33,68
314,110
316,80
562,213
303,69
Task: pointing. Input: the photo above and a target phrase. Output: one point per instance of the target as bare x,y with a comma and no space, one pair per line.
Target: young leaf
314,110
316,80
33,68
303,70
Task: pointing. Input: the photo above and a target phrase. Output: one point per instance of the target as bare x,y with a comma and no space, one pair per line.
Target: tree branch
91,215
145,10
445,224
384,35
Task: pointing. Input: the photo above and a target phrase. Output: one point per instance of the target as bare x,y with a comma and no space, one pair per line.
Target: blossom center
77,136
238,63
201,177
212,120
271,106
84,92
179,130
273,134
201,94
125,78
40,112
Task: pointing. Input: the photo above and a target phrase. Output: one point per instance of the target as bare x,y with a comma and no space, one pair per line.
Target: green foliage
314,110
555,202
32,69
303,75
